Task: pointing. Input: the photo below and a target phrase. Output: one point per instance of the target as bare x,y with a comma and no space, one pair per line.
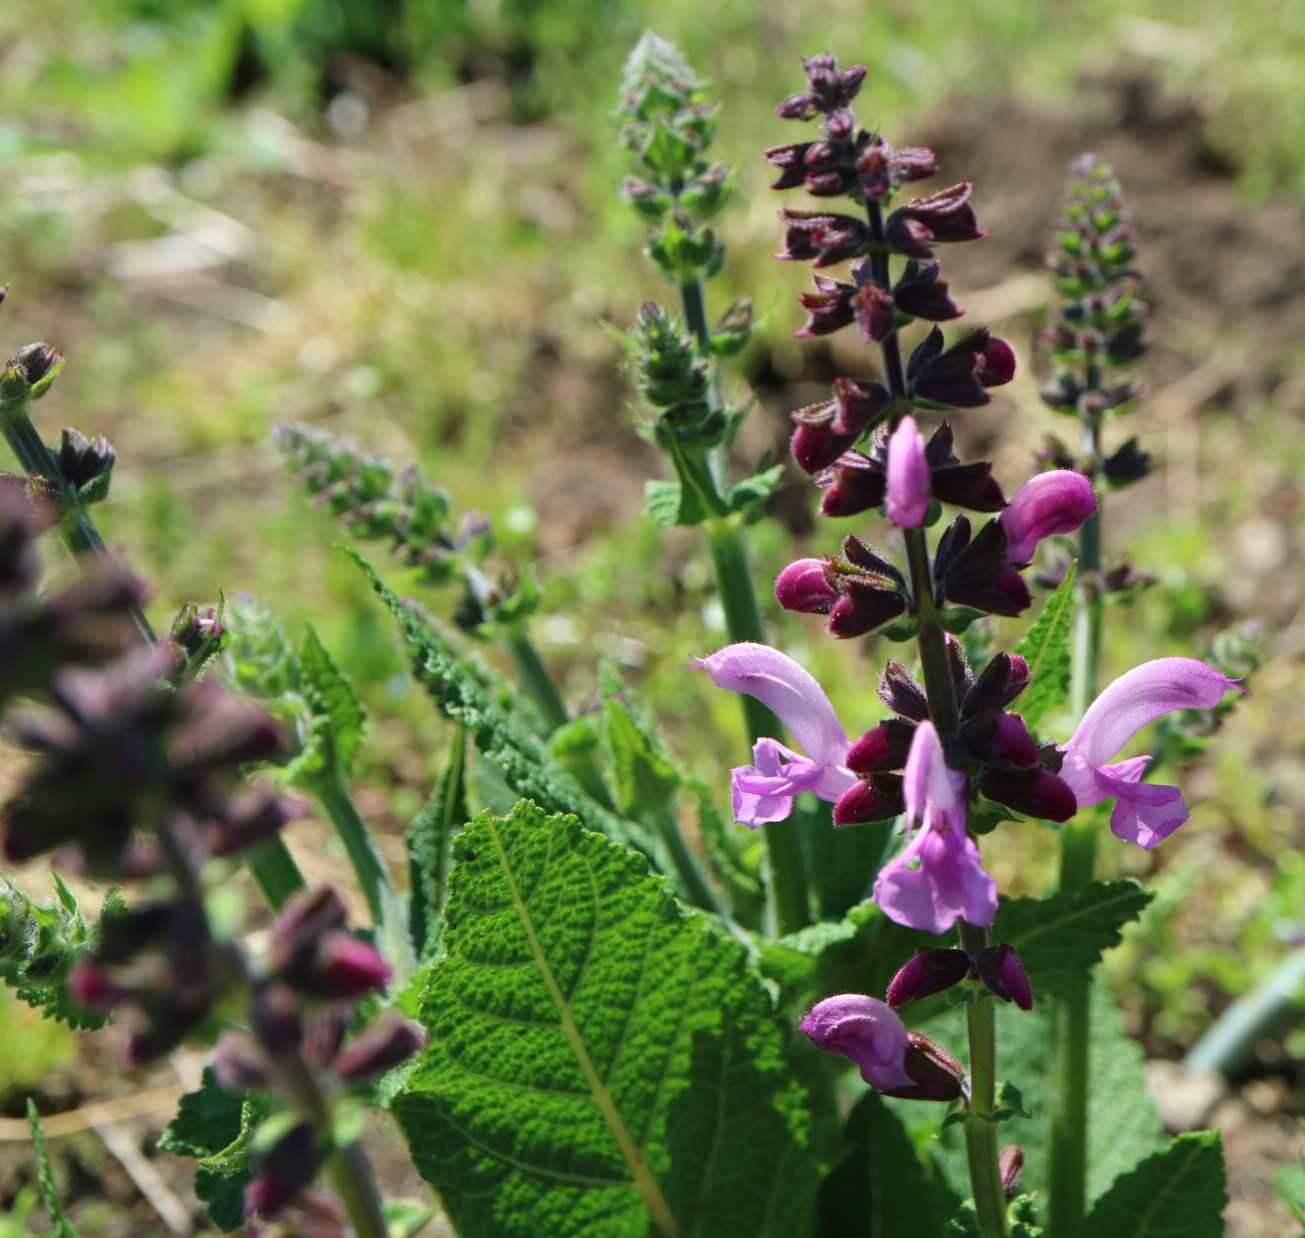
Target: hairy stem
980,1133
1071,1028
79,531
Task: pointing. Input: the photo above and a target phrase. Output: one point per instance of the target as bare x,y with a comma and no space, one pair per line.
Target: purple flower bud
941,217
29,372
878,798
853,484
864,606
960,375
829,309
1035,792
907,476
884,748
346,969
382,1046
930,970
803,586
791,161
1055,502
303,921
899,690
865,1030
1002,680
922,294
999,967
1010,1165
873,308
283,1173
276,1019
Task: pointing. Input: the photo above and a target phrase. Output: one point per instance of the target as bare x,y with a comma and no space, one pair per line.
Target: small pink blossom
938,878
764,791
1144,814
867,1031
907,476
1055,502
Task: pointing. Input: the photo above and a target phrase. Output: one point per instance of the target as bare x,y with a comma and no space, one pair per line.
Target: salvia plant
597,1011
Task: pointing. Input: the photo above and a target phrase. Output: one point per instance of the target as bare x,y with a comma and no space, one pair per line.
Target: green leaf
644,781
1046,649
217,1127
603,1063
756,489
40,944
662,503
331,697
1062,937
45,1177
466,692
428,840
880,1187
1177,1193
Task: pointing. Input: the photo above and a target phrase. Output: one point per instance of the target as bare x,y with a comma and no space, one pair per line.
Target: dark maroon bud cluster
933,969
825,431
85,464
936,1074
119,751
857,481
1006,765
859,592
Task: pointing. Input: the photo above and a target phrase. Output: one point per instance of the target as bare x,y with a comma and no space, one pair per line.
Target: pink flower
1143,814
908,476
764,791
938,878
1054,502
868,1032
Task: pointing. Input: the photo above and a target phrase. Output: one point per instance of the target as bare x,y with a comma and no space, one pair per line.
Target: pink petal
1139,697
1144,814
1054,502
867,1031
907,476
779,683
764,791
949,884
934,792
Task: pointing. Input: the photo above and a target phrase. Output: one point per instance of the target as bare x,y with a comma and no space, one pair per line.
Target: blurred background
398,220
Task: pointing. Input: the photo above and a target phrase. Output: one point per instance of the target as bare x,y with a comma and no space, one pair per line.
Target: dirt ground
1227,284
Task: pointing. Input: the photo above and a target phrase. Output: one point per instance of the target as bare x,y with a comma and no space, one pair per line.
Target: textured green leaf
428,839
216,1126
1177,1193
603,1063
644,781
1046,649
756,489
331,697
39,945
465,692
881,1188
662,500
62,1228
1061,938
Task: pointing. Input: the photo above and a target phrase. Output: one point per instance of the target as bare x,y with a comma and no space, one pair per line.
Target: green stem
980,1131
788,880
1071,1027
372,877
275,871
534,678
693,306
79,531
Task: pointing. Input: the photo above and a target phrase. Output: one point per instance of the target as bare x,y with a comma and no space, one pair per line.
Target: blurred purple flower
1143,814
